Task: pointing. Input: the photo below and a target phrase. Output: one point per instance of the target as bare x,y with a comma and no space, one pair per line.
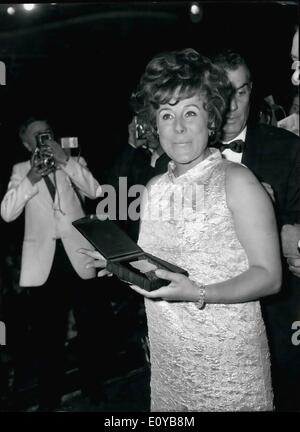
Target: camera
43,157
42,137
141,130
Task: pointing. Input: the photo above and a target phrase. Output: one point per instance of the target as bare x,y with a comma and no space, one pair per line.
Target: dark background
77,63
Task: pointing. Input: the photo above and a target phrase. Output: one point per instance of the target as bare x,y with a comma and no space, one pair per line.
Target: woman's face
183,131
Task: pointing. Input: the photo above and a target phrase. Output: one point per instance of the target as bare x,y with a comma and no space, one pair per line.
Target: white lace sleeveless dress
215,359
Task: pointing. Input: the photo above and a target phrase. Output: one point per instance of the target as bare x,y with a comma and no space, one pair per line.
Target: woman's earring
211,130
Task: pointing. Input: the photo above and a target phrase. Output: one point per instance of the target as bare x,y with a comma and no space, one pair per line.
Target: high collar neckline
199,172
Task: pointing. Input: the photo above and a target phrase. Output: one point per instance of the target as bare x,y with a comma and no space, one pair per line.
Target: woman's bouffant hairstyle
184,74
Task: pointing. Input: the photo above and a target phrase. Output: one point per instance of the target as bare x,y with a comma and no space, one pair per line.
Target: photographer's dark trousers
51,304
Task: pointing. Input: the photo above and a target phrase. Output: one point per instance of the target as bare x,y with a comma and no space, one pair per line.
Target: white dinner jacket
44,222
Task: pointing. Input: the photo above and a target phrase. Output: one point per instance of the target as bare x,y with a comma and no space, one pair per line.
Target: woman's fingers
162,293
96,264
170,276
148,294
98,260
104,272
91,253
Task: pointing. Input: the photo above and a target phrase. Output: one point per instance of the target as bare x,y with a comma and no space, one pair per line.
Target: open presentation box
125,258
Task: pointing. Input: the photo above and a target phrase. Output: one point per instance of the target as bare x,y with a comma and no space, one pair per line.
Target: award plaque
125,258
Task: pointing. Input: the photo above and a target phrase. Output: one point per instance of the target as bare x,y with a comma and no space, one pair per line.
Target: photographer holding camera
51,188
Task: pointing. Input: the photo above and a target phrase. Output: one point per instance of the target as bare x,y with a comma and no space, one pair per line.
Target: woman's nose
179,125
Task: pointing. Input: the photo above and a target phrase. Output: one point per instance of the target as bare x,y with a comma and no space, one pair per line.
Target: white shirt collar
240,136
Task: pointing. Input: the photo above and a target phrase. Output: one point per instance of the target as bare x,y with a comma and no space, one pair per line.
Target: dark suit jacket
134,164
273,155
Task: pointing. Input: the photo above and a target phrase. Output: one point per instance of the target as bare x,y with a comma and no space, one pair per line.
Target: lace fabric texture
215,359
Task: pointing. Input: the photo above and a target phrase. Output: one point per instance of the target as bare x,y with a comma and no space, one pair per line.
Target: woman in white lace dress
208,344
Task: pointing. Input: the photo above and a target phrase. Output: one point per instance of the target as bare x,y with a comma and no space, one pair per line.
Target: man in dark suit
291,233
140,160
273,154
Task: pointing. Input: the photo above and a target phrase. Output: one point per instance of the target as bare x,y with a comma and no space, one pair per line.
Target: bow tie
236,146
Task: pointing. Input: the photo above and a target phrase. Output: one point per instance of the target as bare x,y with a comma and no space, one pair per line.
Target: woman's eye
166,116
190,114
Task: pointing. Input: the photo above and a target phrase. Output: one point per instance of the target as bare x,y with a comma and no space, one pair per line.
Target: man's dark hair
24,125
230,60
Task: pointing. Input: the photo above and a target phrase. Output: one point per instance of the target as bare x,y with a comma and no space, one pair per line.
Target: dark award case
120,250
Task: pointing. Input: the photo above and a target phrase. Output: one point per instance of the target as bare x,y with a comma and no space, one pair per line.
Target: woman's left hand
181,288
97,261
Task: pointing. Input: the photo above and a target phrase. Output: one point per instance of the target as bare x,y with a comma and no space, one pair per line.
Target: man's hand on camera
35,174
59,154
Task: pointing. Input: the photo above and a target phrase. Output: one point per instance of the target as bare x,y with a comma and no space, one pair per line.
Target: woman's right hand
98,261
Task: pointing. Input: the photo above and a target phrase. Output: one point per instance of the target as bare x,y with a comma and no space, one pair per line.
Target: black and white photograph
177,121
